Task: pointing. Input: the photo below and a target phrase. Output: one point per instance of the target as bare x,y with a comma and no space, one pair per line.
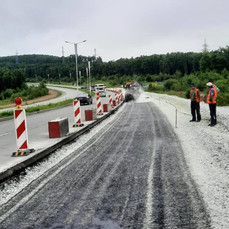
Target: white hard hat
209,84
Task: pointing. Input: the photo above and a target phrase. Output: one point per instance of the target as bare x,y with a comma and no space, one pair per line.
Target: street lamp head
75,43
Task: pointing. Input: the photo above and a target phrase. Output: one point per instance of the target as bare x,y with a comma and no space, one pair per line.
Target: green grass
38,108
10,101
42,107
6,114
51,105
177,93
48,106
5,102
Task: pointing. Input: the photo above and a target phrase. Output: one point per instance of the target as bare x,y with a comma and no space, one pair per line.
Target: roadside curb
22,165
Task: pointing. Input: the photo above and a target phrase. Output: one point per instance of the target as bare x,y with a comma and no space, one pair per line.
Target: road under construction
129,173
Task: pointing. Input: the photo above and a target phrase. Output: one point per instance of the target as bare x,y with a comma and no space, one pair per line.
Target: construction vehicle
132,91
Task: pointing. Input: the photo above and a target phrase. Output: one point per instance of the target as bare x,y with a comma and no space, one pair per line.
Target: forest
165,72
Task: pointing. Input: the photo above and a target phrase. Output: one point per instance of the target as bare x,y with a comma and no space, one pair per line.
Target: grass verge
177,93
38,108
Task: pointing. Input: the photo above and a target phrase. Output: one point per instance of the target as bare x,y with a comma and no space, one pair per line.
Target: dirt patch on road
51,95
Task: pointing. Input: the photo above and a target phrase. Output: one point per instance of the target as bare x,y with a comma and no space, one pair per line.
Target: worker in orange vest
211,100
195,103
214,86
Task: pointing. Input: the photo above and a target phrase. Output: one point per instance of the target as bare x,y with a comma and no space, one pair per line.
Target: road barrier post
77,114
116,98
99,104
111,101
120,96
114,103
21,130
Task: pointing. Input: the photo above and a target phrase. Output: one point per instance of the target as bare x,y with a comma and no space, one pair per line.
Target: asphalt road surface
37,126
133,175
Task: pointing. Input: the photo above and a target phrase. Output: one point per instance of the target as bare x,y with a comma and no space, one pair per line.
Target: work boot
211,124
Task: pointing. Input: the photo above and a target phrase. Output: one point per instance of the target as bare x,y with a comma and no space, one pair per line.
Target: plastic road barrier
21,130
77,113
99,104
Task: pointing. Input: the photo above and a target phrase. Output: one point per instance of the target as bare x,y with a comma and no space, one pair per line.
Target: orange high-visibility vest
197,97
213,97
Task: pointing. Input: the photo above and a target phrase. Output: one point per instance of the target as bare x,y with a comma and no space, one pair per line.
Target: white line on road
2,135
149,194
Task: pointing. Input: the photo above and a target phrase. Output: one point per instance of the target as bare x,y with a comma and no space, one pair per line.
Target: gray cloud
115,28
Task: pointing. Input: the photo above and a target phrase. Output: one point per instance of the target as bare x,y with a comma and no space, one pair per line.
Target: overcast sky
115,28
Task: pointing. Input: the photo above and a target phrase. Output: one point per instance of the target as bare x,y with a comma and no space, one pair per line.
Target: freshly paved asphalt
133,175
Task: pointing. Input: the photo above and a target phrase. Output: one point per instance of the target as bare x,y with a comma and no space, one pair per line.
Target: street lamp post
89,75
77,75
80,77
87,78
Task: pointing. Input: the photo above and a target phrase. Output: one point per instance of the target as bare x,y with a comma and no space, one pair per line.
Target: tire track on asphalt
177,202
132,176
29,192
36,186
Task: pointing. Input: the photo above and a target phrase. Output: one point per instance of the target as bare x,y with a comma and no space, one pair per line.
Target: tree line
167,68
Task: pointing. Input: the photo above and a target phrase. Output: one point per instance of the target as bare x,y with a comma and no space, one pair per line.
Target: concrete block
90,114
58,127
105,107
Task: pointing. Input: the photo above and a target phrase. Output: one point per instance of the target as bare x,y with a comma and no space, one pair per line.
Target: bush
223,99
169,83
222,85
153,87
8,93
187,93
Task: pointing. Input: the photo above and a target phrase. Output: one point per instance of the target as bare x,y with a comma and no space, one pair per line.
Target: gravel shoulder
206,151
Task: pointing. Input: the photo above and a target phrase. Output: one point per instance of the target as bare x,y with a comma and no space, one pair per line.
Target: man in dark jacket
195,103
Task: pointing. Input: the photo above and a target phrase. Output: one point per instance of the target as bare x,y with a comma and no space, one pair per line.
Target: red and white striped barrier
120,96
116,98
99,104
77,113
111,101
21,130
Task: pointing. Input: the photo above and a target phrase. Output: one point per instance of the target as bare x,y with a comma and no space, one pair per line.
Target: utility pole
80,78
89,76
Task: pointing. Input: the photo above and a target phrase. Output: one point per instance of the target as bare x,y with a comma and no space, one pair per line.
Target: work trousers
212,108
195,111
